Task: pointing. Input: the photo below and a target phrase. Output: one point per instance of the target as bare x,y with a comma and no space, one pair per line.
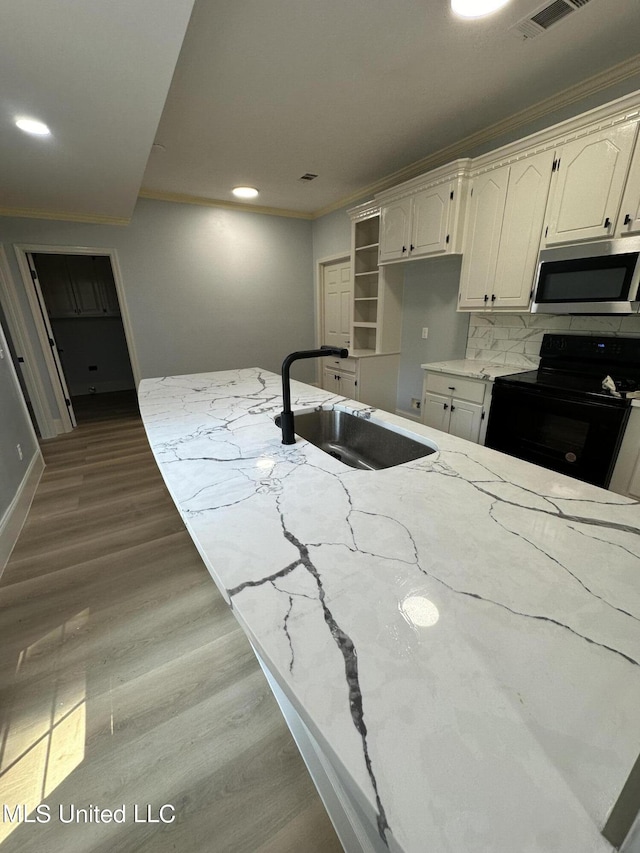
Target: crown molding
592,85
178,198
63,216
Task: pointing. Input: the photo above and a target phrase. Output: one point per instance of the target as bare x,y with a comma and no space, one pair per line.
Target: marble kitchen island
459,634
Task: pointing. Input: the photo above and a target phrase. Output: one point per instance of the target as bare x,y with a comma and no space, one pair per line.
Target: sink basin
358,442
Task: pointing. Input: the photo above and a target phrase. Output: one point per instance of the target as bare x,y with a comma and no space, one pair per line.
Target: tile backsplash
515,339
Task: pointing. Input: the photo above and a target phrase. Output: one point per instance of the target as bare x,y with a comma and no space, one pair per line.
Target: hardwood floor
124,678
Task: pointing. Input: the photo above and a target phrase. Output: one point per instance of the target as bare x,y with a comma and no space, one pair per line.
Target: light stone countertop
460,633
474,369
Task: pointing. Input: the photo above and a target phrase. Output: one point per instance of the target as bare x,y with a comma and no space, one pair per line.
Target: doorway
86,356
81,311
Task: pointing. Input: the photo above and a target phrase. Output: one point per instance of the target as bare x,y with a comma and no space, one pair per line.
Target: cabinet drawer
346,365
455,386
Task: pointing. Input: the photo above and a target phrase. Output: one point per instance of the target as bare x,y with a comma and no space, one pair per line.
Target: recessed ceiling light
476,8
30,125
245,192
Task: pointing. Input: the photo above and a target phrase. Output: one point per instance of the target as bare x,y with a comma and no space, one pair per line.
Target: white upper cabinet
430,221
482,238
395,225
525,205
588,180
424,216
502,236
629,217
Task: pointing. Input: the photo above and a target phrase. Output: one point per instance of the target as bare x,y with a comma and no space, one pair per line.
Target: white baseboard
15,516
412,416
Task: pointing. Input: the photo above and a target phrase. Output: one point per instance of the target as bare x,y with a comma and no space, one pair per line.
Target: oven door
580,438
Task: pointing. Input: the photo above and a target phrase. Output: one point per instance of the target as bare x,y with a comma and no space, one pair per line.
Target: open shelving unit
377,291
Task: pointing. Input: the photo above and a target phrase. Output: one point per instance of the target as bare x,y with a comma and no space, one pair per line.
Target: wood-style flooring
124,678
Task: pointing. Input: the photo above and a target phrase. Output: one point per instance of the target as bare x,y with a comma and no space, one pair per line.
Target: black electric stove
560,416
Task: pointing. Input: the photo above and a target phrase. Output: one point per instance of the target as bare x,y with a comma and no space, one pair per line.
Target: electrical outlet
425,332
415,403
19,449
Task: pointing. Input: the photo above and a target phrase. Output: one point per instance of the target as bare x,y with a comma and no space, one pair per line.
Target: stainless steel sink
358,442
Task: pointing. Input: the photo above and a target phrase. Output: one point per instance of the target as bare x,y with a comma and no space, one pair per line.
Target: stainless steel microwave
597,278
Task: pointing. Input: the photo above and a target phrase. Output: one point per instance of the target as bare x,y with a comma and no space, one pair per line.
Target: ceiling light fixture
476,8
245,192
30,125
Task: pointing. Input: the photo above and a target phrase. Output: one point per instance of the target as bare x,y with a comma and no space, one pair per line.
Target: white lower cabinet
456,404
371,380
625,479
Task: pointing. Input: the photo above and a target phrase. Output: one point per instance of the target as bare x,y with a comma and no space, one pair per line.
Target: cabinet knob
627,219
607,222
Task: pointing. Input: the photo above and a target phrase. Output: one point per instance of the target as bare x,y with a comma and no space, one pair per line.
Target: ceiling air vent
546,16
308,176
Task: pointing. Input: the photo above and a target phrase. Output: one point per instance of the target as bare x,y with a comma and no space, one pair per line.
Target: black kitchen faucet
285,421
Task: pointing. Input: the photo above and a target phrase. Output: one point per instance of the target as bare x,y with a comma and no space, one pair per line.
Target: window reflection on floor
42,738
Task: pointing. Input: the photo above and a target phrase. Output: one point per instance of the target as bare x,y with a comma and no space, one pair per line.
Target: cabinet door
587,186
484,226
106,285
85,286
430,221
525,205
629,218
395,230
347,386
330,381
466,419
436,411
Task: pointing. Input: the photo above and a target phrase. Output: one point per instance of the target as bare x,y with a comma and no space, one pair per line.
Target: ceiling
361,93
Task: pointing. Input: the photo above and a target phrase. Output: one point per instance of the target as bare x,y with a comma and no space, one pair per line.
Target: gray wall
15,428
430,298
206,288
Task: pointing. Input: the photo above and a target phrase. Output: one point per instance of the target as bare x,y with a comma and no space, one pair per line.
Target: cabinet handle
486,298
411,247
404,249
453,408
607,222
493,297
446,406
627,219
451,387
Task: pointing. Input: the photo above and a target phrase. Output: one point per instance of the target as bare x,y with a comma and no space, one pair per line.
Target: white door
430,221
52,357
482,239
587,185
522,224
395,223
337,295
